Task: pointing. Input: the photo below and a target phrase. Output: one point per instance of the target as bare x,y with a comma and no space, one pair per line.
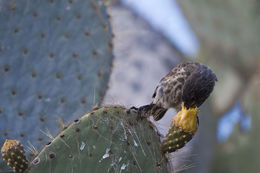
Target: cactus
227,30
13,154
183,127
55,62
112,139
108,139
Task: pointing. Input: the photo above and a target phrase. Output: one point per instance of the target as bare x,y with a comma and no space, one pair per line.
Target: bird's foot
134,108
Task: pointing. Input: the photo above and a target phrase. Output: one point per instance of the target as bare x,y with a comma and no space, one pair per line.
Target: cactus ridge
108,139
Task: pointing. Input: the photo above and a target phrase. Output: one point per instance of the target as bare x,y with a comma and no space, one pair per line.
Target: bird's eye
160,91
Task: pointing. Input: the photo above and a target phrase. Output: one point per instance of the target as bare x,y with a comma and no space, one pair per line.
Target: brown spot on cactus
6,68
83,100
40,96
5,133
33,74
78,16
95,108
25,51
35,14
79,77
20,113
42,35
36,161
74,55
58,18
110,44
51,55
16,30
95,52
63,100
42,118
48,143
66,35
76,121
13,92
87,33
52,155
58,75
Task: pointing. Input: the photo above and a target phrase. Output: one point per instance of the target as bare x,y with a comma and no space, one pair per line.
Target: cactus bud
183,127
13,153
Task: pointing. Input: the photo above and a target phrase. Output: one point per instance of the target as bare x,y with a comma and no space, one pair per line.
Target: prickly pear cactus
183,127
227,30
13,153
55,61
108,139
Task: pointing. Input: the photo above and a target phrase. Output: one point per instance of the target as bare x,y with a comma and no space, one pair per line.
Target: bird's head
198,87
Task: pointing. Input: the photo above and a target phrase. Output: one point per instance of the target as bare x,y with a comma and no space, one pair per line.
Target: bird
188,84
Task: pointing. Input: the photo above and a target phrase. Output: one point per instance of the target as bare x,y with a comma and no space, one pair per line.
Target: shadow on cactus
55,63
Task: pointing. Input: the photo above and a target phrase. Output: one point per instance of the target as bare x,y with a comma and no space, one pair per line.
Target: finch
189,84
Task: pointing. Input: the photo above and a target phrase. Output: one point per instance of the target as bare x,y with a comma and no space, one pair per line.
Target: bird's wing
169,90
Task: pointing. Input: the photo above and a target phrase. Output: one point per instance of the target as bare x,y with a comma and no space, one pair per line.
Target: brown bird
189,83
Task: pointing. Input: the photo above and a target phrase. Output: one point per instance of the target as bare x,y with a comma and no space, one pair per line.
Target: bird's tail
152,110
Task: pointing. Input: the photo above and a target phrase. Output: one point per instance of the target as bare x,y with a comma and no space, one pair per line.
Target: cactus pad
55,62
13,153
108,139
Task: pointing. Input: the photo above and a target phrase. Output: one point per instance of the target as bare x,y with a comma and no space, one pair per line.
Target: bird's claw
138,112
134,108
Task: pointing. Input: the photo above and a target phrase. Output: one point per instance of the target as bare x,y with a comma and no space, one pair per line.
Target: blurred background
152,36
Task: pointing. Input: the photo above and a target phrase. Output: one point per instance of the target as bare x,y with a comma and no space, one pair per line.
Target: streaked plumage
190,83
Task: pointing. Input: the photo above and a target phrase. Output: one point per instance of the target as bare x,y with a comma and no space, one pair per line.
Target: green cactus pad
13,153
227,30
175,139
55,62
109,139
